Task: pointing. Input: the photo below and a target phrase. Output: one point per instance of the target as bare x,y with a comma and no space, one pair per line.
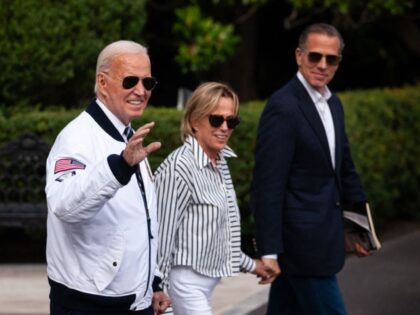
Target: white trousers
190,291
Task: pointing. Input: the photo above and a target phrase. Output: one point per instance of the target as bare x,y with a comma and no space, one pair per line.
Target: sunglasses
217,120
332,60
129,82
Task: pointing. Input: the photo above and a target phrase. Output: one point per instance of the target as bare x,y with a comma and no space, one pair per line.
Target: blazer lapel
338,144
311,114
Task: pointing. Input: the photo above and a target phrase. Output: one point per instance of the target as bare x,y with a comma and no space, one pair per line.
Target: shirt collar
314,94
201,157
114,119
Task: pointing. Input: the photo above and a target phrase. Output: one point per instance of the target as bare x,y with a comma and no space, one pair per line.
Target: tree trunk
240,71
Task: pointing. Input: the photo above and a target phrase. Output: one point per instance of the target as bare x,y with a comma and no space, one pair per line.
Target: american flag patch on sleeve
68,164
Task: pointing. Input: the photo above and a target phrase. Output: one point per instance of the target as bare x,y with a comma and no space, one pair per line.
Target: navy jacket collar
99,116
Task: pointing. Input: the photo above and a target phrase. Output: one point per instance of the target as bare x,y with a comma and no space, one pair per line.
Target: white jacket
97,234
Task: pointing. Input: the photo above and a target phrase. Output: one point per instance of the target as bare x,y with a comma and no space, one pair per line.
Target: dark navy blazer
296,192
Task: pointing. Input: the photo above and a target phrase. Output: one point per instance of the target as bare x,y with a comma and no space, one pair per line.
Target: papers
359,228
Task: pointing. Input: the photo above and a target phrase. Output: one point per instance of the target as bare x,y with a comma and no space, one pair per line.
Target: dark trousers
305,296
56,309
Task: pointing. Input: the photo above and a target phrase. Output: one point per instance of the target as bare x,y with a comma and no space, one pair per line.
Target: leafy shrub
204,42
382,126
48,48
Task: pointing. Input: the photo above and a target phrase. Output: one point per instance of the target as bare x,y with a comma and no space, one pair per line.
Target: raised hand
135,152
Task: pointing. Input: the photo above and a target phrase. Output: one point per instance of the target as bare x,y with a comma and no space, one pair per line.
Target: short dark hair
320,28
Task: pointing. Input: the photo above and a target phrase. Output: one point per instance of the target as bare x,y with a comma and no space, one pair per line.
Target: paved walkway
386,283
24,290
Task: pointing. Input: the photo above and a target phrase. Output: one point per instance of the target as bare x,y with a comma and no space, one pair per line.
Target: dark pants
56,309
305,296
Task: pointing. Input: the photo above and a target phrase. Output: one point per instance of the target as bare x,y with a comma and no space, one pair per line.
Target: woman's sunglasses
217,120
129,82
331,60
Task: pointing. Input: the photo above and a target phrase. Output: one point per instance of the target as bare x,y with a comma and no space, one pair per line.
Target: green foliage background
49,48
203,41
382,125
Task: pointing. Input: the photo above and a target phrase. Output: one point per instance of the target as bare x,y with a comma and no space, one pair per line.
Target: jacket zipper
149,225
150,236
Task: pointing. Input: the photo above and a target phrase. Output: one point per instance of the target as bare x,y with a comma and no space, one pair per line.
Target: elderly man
101,244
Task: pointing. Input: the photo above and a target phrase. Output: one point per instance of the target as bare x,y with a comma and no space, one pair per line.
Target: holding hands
267,269
161,302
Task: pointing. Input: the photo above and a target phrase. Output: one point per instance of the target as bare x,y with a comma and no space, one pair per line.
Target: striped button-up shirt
198,214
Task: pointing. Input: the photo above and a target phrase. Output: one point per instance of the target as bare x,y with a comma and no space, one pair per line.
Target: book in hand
359,228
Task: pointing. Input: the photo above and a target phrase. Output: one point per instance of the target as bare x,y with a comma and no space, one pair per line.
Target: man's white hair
113,50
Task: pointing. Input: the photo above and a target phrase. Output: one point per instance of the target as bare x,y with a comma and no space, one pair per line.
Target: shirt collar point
201,157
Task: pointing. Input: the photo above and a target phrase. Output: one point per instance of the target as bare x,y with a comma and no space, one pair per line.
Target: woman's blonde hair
202,103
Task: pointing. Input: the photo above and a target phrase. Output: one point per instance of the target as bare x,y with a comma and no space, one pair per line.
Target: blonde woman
199,222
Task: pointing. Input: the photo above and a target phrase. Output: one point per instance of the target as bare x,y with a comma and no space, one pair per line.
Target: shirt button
337,204
114,264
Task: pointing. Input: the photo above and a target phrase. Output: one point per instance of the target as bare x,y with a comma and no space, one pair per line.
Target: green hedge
382,126
49,48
